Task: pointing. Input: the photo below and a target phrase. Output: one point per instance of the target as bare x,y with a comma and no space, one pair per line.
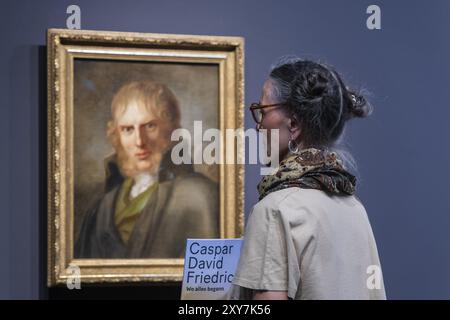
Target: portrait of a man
148,206
135,151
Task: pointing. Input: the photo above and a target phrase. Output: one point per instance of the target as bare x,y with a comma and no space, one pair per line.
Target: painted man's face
142,139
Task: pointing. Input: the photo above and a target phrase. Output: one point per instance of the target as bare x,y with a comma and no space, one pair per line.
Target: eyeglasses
256,109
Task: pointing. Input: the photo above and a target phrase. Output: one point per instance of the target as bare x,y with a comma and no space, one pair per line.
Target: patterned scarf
310,169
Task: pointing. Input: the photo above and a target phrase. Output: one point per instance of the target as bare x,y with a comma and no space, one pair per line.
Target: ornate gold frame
65,45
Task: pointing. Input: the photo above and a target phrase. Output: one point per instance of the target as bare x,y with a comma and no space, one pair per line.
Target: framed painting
121,204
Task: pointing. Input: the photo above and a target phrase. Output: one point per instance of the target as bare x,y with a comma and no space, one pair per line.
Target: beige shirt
312,245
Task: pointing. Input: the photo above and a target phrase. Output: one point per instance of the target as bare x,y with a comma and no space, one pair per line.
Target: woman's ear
294,128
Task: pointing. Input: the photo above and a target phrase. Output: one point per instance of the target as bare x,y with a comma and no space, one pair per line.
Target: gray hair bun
359,106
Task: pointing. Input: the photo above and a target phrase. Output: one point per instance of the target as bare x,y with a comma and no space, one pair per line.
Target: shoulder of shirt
277,199
297,200
290,204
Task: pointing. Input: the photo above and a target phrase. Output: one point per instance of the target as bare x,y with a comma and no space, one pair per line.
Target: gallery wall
402,149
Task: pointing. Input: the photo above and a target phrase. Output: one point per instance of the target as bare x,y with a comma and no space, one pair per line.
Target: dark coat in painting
185,205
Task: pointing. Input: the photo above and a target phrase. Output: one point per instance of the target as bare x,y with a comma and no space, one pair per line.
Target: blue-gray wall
402,150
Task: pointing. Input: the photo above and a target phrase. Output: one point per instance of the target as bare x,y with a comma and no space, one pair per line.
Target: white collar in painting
141,183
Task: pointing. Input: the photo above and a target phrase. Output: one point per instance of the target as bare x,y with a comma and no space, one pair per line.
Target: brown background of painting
196,87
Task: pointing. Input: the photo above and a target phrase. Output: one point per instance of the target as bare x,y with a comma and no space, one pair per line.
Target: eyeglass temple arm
256,106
